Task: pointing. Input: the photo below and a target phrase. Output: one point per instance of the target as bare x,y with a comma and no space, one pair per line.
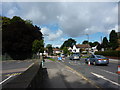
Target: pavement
58,75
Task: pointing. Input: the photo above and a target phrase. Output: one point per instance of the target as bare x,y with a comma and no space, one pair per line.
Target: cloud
74,19
51,35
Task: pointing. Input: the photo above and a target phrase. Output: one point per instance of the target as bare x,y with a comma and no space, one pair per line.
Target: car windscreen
99,56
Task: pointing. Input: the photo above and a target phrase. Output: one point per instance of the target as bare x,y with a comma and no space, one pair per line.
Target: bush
108,53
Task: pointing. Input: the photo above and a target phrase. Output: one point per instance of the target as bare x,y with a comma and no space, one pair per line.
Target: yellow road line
79,74
13,74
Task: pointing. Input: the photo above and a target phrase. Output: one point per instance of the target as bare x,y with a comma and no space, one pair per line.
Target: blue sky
62,20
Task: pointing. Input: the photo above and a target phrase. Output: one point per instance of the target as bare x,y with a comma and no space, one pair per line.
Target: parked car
62,55
97,59
75,56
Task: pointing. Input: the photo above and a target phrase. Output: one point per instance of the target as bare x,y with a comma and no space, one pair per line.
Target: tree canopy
18,37
49,49
68,43
113,39
105,43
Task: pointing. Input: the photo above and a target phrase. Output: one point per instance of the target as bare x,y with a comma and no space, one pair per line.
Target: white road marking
109,72
100,76
30,65
114,60
6,79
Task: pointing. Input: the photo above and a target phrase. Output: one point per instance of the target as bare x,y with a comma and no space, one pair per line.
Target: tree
85,42
38,46
105,43
66,51
68,43
113,39
99,47
49,49
18,37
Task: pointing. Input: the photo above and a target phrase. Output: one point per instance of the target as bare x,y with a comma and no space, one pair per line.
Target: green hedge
108,53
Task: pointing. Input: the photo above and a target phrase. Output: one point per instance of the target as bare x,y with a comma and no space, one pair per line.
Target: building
78,47
56,51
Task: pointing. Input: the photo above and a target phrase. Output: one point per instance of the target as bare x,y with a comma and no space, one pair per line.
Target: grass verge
51,59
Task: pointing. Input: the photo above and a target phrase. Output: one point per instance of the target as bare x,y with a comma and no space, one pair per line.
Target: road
13,68
103,76
70,74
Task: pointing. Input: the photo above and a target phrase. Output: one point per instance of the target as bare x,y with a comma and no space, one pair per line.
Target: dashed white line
6,79
109,72
100,76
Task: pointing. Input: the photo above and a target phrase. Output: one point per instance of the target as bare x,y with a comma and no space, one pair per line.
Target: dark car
75,56
97,59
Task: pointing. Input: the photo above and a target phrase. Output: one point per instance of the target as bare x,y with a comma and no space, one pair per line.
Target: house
78,47
94,49
56,51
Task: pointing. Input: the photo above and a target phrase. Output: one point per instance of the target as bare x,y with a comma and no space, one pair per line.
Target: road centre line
100,76
109,72
6,79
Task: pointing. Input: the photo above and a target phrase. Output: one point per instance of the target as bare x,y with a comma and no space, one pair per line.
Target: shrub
108,53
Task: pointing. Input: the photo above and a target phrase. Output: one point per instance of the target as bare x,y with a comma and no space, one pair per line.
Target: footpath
57,75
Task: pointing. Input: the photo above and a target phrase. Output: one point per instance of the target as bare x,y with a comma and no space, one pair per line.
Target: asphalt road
103,76
13,68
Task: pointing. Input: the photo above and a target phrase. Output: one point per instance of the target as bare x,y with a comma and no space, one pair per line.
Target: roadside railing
31,78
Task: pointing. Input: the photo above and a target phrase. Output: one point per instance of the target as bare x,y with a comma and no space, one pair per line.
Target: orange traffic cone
118,69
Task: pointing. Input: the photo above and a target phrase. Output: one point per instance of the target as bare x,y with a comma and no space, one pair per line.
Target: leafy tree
90,43
49,49
99,47
96,43
38,46
18,37
113,38
105,43
66,51
85,42
68,43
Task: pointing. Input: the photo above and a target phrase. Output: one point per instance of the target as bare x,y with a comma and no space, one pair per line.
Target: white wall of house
56,52
75,49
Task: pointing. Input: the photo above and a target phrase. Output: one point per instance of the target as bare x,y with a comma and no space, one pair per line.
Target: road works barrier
31,78
118,69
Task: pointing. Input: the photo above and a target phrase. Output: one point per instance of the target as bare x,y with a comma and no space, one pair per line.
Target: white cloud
11,12
73,18
63,39
51,36
114,28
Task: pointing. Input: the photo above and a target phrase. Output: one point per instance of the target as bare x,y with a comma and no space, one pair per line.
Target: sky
60,21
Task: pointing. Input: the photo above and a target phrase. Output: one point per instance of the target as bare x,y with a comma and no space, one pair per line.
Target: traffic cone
118,69
89,63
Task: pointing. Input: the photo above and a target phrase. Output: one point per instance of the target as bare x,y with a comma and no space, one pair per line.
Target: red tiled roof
82,46
56,49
